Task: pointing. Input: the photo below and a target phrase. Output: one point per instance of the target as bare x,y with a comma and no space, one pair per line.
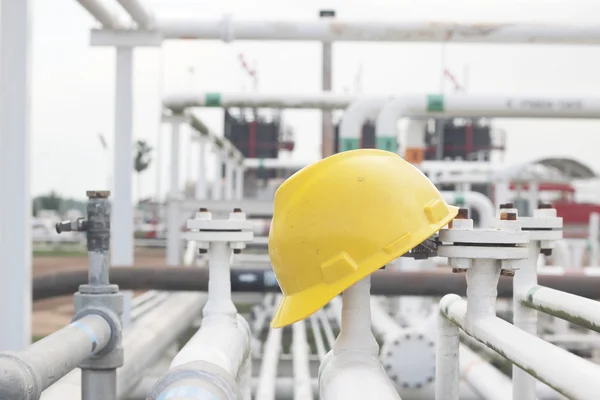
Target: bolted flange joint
544,227
235,230
506,243
109,306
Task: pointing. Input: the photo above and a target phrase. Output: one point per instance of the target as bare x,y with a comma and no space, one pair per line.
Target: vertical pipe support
229,178
352,369
300,352
201,181
525,318
447,370
15,171
217,191
122,223
545,229
239,182
173,214
327,133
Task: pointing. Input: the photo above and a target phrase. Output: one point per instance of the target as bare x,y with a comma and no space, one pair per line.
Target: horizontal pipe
326,30
178,102
142,17
106,17
37,367
143,344
578,310
568,374
387,283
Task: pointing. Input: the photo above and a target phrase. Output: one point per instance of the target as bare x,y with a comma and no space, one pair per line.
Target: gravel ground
52,314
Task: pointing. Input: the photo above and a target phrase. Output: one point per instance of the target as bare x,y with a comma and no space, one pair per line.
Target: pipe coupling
109,306
196,380
18,380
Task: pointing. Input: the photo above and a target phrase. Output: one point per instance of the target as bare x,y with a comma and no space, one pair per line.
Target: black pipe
383,282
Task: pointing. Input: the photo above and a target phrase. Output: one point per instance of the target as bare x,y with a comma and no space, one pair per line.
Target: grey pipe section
143,344
24,375
387,283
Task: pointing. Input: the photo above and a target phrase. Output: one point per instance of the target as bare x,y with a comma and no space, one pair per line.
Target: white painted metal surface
267,380
228,29
573,376
107,17
173,225
201,186
352,369
15,170
122,210
142,16
319,100
300,351
355,116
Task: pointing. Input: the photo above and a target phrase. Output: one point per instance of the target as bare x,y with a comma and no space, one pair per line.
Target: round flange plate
409,360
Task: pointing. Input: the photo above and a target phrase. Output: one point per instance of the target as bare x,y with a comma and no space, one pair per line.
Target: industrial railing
514,246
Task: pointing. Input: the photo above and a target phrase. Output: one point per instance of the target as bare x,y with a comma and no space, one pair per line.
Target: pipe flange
409,360
114,323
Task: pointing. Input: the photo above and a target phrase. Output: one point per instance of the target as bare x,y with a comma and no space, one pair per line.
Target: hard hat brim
298,306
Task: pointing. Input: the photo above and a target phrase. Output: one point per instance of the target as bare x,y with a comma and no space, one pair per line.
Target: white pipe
319,100
122,210
352,370
476,200
239,182
173,222
300,352
524,385
106,17
561,254
217,191
482,377
143,17
578,310
447,375
354,118
201,181
15,174
415,106
266,389
318,336
329,336
229,179
568,374
274,163
330,30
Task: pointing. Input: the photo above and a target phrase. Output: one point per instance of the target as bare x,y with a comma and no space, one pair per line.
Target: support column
122,208
326,115
173,217
201,182
217,192
15,202
239,182
229,166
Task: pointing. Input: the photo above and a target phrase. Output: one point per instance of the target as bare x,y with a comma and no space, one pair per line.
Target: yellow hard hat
343,218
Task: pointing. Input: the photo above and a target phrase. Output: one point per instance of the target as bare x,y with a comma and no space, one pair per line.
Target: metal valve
79,225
